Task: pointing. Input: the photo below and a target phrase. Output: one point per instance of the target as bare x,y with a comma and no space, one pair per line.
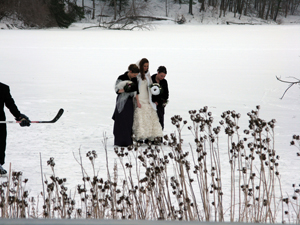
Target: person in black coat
126,88
7,100
162,99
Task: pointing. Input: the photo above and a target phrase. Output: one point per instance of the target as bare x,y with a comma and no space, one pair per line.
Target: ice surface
222,67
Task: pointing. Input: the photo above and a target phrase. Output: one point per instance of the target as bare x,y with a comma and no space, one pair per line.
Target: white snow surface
222,67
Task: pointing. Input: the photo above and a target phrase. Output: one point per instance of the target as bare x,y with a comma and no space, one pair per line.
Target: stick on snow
59,114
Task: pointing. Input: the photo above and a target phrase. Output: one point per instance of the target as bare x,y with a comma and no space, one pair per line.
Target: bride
146,126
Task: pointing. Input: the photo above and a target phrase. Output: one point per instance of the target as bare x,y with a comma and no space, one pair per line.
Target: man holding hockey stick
7,100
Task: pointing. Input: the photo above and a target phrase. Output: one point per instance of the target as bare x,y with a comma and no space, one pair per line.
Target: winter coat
122,97
7,100
164,96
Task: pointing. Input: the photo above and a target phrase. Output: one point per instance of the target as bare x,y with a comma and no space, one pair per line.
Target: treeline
264,9
51,13
41,13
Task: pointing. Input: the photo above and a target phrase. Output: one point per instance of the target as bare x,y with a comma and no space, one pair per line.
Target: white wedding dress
145,122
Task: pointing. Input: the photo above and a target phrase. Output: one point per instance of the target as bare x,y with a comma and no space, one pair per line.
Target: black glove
25,122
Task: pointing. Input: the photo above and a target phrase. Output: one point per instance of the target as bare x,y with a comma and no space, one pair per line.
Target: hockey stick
59,114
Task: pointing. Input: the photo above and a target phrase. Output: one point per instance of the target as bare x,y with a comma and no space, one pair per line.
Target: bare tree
269,9
133,17
241,8
29,13
115,9
94,8
277,9
246,7
294,6
191,7
291,83
222,8
127,23
166,7
202,8
133,7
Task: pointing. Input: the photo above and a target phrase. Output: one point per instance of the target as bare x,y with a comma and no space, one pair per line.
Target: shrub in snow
209,181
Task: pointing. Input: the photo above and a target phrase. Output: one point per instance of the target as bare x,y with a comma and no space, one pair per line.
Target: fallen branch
289,82
143,17
123,27
229,22
128,20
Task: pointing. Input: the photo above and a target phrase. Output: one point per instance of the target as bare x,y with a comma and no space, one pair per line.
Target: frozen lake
222,67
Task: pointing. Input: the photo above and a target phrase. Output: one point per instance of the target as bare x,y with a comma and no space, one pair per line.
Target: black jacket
126,77
164,96
8,101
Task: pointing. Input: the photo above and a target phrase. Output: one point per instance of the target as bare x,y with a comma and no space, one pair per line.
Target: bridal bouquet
127,85
155,89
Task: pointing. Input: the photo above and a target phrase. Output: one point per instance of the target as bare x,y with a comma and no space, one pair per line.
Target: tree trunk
166,8
133,7
294,6
286,9
277,9
115,9
82,3
238,6
241,8
191,7
256,4
202,8
221,8
246,8
235,9
94,6
268,10
262,7
230,3
226,6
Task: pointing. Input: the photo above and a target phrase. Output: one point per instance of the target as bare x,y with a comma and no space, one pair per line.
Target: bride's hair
141,65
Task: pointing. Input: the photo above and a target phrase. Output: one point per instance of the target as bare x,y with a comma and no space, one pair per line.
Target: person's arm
120,83
10,103
155,99
135,81
138,101
165,94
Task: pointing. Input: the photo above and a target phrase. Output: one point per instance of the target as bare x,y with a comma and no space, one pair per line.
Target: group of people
139,114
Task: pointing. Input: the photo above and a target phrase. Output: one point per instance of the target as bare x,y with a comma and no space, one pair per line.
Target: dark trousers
161,113
3,134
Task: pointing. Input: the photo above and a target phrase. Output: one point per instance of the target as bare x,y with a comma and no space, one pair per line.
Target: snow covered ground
222,67
172,12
